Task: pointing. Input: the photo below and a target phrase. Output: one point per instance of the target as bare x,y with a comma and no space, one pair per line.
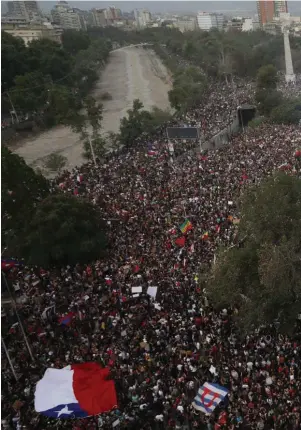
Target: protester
160,349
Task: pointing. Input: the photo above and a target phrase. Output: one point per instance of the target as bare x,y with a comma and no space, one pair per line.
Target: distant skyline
169,6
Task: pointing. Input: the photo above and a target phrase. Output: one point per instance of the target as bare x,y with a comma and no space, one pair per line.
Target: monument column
289,70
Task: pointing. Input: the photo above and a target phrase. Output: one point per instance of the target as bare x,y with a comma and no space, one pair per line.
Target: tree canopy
287,112
22,189
75,41
42,75
267,77
262,276
188,88
62,230
138,121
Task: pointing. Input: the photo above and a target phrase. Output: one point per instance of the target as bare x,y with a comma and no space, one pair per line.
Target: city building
14,20
280,6
142,17
25,9
241,24
33,32
112,13
66,17
269,9
83,17
248,25
256,22
221,21
103,17
98,18
236,24
206,21
265,10
185,25
273,28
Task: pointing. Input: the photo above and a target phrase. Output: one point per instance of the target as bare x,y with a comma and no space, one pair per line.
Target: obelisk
289,70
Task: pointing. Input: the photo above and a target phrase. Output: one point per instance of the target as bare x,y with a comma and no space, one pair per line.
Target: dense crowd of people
161,346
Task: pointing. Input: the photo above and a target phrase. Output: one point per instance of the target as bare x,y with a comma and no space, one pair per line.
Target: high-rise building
220,19
280,6
25,9
206,21
268,9
98,18
265,10
66,17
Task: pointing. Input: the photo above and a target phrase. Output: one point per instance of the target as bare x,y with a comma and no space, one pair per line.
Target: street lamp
18,316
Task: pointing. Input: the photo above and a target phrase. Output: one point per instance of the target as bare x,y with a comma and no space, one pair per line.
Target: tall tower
289,70
265,10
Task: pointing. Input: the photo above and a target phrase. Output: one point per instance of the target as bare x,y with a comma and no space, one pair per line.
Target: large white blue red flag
75,391
208,397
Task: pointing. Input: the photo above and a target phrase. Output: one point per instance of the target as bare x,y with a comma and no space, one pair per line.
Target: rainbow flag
186,226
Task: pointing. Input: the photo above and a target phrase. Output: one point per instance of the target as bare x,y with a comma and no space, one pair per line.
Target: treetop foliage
22,189
35,75
262,276
63,230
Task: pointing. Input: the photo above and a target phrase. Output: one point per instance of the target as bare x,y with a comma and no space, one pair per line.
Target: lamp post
9,359
18,316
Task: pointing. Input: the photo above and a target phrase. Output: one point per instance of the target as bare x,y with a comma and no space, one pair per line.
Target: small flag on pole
186,226
205,236
209,397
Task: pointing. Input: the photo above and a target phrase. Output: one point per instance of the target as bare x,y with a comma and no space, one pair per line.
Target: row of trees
46,80
219,54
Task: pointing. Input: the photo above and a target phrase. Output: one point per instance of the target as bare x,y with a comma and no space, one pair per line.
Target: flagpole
18,316
9,360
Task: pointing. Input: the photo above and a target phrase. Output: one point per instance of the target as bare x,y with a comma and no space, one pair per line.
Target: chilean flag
76,391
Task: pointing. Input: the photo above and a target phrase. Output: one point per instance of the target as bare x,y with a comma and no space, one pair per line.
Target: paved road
131,73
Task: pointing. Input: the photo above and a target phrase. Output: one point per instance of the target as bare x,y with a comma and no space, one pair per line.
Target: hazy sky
172,5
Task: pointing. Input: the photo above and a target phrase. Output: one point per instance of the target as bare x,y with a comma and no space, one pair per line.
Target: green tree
63,230
88,126
187,92
22,188
14,60
74,41
157,118
55,162
50,59
99,147
288,112
267,78
268,100
132,126
262,277
30,93
63,105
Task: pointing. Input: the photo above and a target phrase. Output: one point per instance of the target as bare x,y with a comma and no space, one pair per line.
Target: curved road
132,72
